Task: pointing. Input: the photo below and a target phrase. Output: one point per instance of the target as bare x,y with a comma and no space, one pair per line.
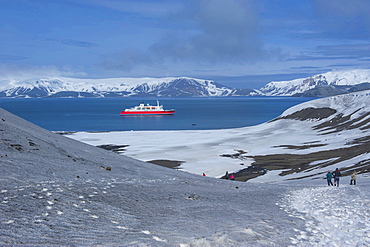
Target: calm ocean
102,114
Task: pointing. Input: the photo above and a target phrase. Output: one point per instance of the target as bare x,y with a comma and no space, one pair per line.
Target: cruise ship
147,109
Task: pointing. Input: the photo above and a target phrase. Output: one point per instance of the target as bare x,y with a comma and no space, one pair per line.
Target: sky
238,43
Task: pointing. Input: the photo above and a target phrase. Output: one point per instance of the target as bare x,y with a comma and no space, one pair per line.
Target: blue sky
239,43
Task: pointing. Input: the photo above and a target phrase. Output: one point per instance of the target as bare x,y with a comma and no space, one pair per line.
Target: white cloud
152,9
207,33
227,31
19,72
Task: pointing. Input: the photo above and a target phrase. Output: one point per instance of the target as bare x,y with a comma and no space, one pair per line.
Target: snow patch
333,216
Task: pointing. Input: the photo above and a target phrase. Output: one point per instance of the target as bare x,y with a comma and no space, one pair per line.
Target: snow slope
56,191
333,216
343,132
301,85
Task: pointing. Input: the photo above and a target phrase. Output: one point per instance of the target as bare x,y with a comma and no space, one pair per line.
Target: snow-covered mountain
322,85
327,84
113,87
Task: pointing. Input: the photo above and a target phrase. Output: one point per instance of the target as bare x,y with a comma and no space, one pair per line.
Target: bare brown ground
293,163
167,163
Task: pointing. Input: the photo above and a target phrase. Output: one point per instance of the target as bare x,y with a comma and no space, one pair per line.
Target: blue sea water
103,114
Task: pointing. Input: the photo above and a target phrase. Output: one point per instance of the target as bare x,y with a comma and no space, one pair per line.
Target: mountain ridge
320,85
119,87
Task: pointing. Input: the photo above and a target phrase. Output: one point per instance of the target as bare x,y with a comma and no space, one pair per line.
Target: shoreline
173,164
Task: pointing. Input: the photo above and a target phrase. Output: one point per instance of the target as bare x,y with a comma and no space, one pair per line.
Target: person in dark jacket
329,176
336,175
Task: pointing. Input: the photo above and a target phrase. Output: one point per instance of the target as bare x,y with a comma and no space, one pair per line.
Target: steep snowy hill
113,87
59,192
330,83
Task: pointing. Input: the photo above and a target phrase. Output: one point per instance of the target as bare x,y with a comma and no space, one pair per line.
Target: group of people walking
336,175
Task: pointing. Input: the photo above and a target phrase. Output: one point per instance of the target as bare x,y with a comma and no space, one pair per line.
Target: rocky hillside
335,134
59,192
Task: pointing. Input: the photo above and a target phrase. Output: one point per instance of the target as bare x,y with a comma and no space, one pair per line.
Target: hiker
232,177
227,175
353,178
336,175
204,174
329,175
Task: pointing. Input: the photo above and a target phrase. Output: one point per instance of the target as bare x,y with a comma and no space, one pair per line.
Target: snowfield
59,191
202,151
334,216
